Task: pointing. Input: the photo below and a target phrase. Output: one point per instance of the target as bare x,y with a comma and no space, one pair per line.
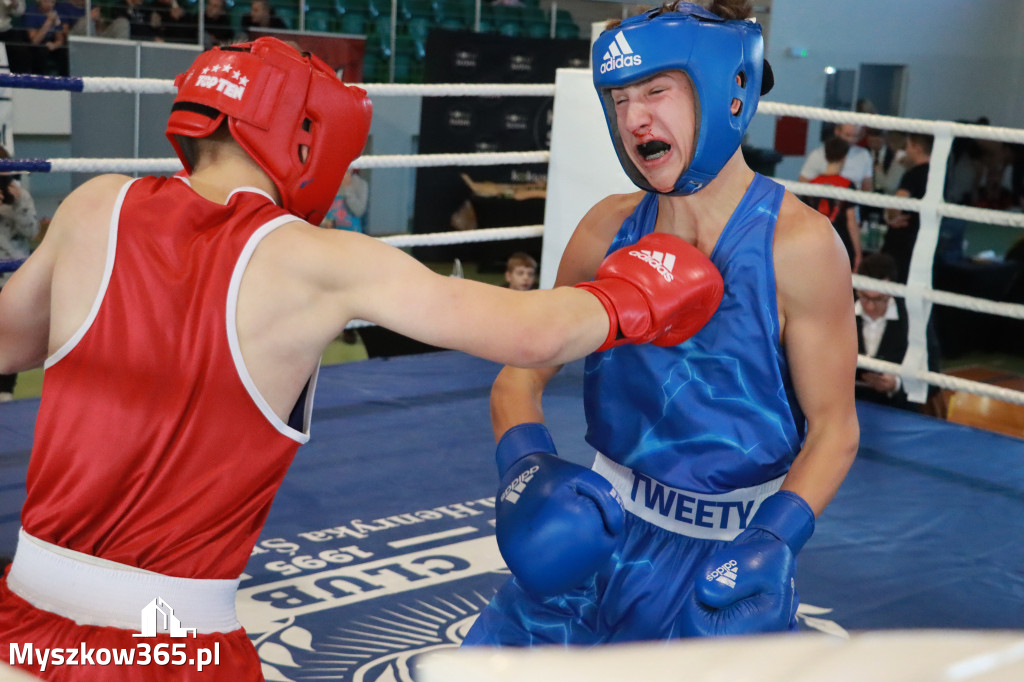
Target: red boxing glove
661,289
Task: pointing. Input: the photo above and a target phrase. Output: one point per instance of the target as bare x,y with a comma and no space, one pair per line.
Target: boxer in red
181,322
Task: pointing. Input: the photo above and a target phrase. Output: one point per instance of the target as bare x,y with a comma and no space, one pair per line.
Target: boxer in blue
716,450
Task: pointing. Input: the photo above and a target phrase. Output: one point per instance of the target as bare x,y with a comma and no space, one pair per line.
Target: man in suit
882,333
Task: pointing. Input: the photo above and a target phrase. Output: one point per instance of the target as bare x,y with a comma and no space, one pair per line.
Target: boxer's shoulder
611,211
590,241
84,215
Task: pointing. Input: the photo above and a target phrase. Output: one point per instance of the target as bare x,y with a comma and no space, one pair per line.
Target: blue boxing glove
557,522
748,586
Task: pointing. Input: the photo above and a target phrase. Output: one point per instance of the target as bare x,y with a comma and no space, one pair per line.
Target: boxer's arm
25,313
41,305
516,394
339,276
534,328
516,397
540,328
820,340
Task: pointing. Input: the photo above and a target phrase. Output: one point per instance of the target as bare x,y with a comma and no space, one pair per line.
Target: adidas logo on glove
619,55
518,485
725,574
659,261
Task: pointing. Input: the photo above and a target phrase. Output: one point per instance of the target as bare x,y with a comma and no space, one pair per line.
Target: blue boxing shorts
640,593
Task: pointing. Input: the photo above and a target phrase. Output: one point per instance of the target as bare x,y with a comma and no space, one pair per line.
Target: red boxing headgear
276,101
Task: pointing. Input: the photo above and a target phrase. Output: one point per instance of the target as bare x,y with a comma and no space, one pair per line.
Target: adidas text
656,261
620,62
725,574
517,486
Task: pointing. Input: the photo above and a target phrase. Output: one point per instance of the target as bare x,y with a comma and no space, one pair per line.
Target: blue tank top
717,412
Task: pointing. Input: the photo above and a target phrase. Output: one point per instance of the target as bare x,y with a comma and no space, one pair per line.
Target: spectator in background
349,205
1017,174
131,22
9,11
962,169
842,214
261,15
904,225
171,23
995,176
47,37
857,166
217,25
866,106
18,230
72,13
890,161
13,38
882,333
521,271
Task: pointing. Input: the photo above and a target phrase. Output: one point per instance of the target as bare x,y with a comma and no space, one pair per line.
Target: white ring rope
159,86
981,215
94,84
490,234
907,125
978,305
945,381
173,165
917,292
434,160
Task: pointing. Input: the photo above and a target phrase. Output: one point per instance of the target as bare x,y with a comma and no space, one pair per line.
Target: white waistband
94,591
706,516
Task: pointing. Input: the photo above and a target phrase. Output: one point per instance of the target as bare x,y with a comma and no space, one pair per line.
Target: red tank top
153,448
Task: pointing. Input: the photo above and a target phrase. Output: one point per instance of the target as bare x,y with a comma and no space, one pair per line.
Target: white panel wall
41,112
583,169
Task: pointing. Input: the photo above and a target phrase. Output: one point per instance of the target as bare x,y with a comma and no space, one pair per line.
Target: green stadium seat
419,8
455,12
375,69
565,25
453,24
286,6
537,29
353,23
319,20
368,8
381,26
288,16
418,27
236,14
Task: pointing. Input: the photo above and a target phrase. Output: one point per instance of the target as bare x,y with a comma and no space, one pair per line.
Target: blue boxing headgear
712,52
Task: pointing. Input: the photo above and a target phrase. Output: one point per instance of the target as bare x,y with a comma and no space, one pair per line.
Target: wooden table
983,412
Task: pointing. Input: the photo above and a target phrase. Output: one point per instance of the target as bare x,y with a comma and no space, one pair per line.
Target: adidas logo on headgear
619,55
662,262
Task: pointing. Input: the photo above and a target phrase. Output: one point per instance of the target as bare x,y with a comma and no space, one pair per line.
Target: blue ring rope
24,165
27,80
11,265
